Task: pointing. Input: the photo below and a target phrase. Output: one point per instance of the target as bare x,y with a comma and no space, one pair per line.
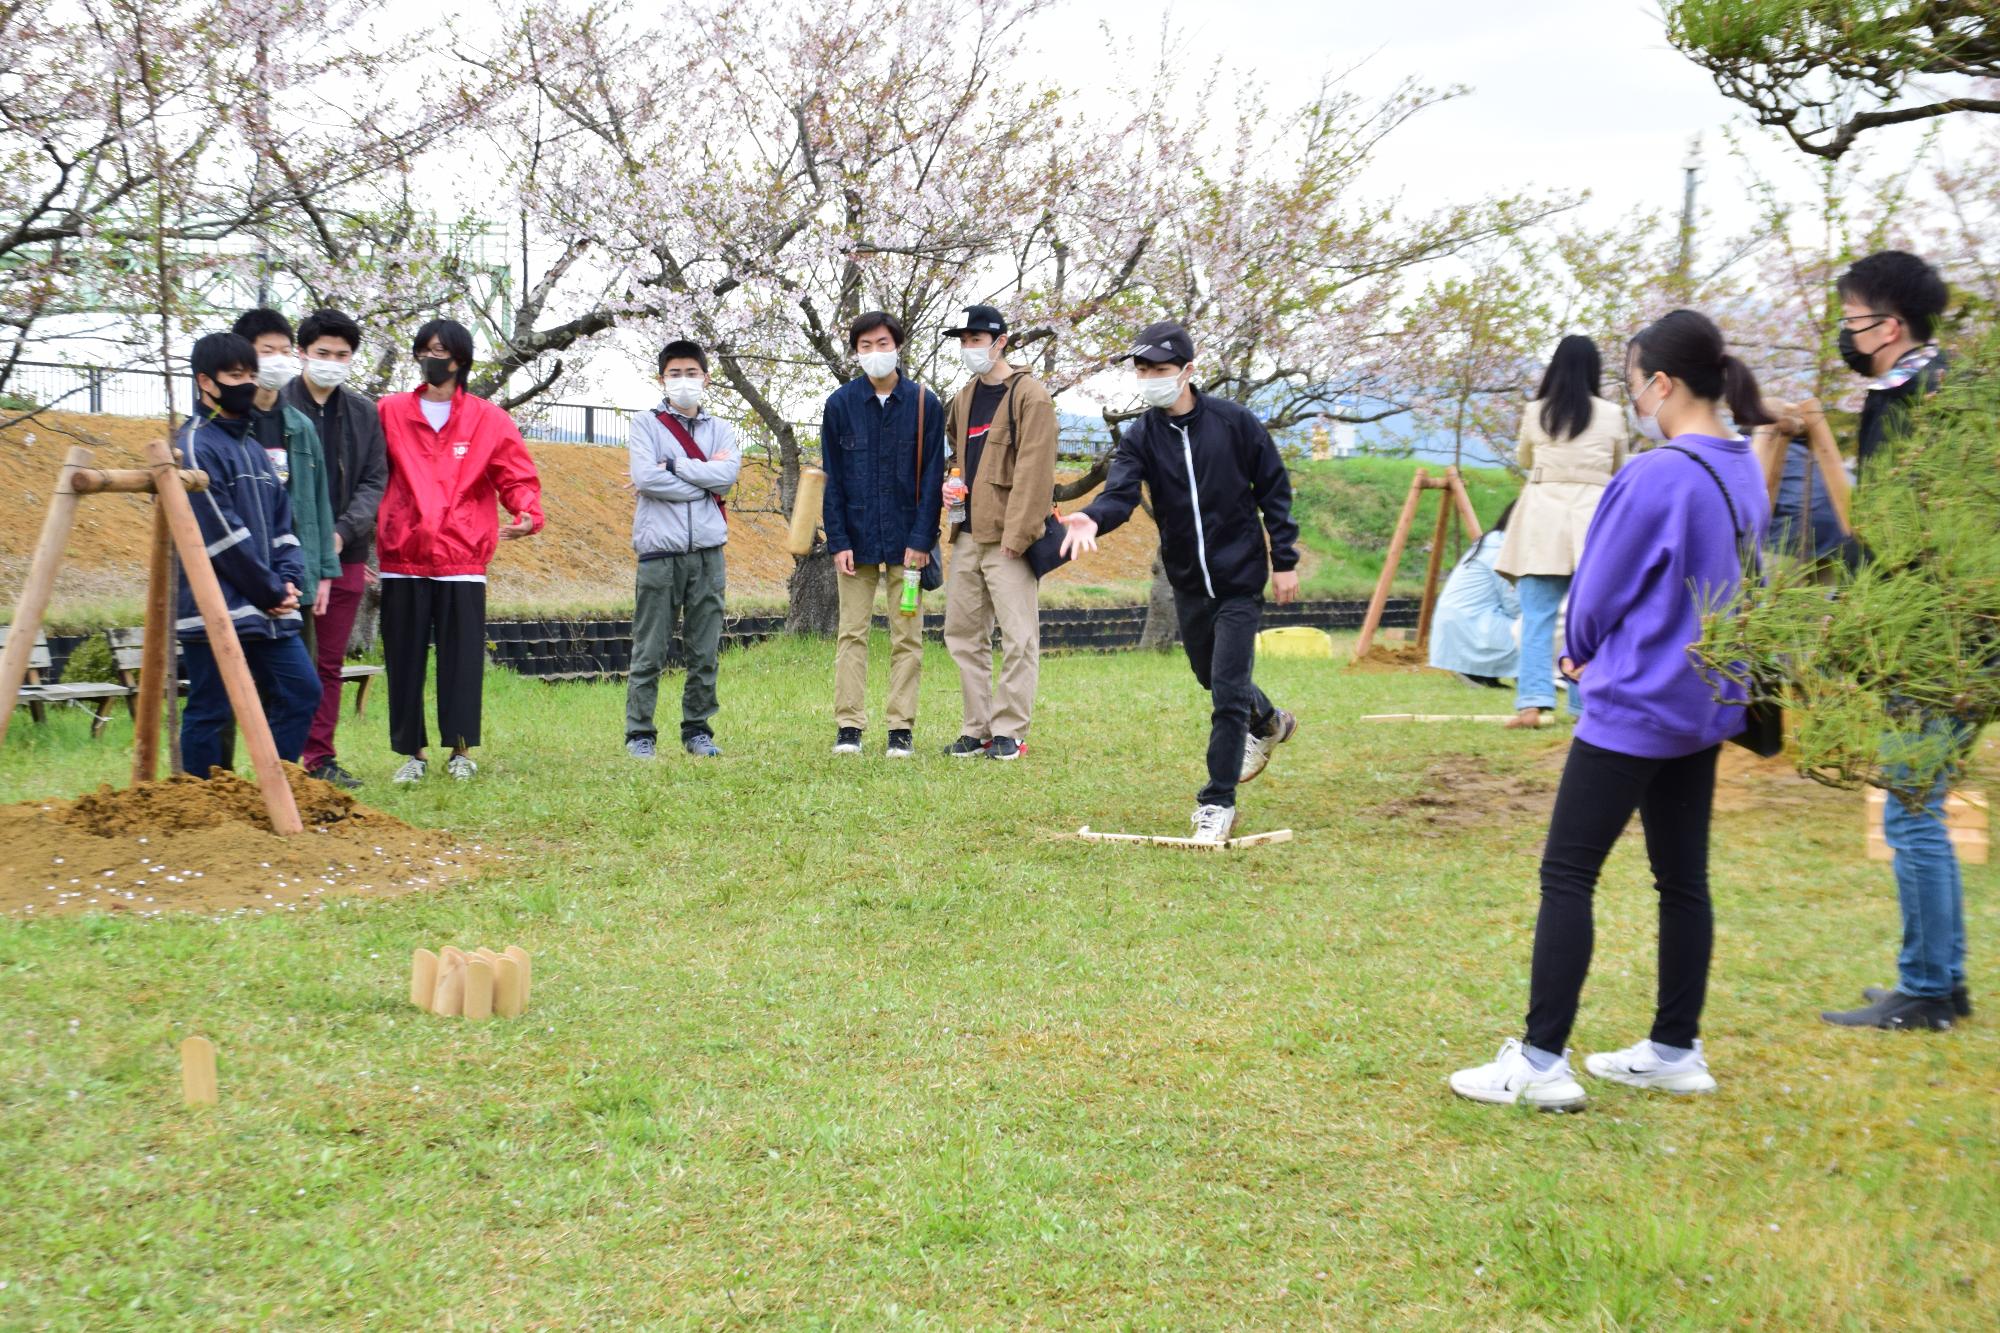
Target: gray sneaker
413,770
461,768
702,746
641,747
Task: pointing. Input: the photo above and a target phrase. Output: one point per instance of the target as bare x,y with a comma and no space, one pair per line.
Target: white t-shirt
435,413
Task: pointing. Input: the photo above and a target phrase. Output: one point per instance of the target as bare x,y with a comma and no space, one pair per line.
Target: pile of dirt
184,845
583,557
1383,656
1461,793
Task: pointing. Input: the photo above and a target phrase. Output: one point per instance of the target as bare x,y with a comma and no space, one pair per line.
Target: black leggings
1600,790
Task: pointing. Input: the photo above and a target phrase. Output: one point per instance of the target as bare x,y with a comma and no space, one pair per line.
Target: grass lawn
849,1044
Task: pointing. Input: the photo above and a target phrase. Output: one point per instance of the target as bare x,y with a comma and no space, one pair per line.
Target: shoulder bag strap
685,438
1735,528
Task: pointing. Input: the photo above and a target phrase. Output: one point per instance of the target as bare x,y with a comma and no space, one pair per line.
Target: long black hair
1688,346
1573,378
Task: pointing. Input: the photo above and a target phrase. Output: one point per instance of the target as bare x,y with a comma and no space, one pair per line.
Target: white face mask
1649,425
978,360
275,372
327,374
686,394
878,365
1160,390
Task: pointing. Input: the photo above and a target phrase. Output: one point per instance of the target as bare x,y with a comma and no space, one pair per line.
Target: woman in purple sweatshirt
1664,545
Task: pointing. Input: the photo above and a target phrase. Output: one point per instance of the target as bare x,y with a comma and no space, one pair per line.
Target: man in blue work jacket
881,516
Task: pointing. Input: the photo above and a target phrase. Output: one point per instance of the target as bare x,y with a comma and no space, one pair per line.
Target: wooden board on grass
1229,845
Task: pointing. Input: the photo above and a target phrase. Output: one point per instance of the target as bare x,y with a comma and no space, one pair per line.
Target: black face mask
235,400
1860,362
437,369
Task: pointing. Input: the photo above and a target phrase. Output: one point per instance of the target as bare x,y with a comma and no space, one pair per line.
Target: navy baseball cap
980,319
1165,341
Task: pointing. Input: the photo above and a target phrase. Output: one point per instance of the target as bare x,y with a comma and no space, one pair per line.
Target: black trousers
1220,635
415,614
1600,789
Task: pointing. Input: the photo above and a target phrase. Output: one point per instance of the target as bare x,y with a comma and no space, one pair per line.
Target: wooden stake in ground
156,662
34,599
198,1071
1452,500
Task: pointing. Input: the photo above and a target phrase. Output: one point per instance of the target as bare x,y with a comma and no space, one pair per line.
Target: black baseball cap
980,319
1165,341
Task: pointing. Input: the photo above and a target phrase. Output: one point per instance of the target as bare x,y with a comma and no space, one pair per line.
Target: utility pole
1684,266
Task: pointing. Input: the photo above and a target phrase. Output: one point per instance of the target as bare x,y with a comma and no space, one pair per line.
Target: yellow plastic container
1294,641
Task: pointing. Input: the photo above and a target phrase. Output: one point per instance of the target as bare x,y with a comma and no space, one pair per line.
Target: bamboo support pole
34,599
1373,620
156,663
1433,567
130,480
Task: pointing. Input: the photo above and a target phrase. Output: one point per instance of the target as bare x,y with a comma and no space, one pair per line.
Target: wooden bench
128,648
98,696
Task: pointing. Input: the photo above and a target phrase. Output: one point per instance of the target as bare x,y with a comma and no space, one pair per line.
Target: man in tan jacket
1001,429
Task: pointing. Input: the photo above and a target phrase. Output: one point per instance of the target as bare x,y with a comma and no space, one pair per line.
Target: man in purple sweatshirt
1665,544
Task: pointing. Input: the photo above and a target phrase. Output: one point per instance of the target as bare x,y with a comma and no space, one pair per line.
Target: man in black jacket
357,465
1213,473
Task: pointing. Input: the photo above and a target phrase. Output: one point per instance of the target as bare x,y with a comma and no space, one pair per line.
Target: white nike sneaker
1640,1066
1510,1079
1212,823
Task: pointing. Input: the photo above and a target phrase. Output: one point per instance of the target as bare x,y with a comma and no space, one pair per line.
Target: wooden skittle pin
507,987
478,989
520,955
423,978
448,1000
198,1071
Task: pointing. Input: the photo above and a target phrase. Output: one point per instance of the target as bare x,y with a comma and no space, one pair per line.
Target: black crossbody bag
1763,731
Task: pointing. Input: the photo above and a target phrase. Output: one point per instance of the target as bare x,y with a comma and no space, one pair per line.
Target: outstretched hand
1079,535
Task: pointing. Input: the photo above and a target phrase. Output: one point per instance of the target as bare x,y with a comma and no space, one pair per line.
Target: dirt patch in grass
1462,791
1392,657
184,845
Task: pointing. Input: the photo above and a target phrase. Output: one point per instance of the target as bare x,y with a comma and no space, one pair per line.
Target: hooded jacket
357,465
1213,474
1014,489
245,516
679,495
876,505
438,518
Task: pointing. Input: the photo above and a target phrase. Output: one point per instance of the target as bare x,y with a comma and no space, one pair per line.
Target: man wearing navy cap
1212,471
1001,428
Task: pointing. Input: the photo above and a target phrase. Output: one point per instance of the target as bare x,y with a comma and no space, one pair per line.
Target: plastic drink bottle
956,490
912,587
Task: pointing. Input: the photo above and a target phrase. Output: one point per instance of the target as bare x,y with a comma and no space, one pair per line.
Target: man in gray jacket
684,461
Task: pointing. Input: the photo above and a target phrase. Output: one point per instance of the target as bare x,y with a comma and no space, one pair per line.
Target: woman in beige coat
1571,442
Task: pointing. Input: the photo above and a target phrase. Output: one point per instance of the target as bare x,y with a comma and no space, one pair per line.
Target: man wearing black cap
1212,470
1002,431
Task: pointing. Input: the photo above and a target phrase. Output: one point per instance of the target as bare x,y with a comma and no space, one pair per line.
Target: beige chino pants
982,588
850,655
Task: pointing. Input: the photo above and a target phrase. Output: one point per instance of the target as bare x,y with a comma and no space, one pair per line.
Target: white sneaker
1213,822
1640,1066
413,770
1510,1079
1257,749
461,767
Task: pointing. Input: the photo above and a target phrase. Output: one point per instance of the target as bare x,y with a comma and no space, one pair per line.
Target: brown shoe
1528,719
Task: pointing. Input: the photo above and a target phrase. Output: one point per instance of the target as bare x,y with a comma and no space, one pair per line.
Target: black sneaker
967,747
335,774
1961,999
1897,1011
847,741
1006,748
900,744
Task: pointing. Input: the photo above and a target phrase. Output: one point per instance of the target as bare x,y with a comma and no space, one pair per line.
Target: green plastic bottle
913,587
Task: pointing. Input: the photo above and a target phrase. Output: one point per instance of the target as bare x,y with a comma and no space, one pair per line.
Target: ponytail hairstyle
1688,346
1574,376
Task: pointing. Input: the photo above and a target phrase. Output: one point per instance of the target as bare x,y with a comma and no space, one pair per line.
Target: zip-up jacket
679,507
307,484
1213,475
1013,489
246,522
357,464
438,518
875,504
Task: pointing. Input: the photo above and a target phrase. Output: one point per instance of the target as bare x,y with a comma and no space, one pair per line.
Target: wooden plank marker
198,1071
1189,844
423,978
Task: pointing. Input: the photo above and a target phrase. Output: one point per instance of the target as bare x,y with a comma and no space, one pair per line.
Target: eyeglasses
1878,320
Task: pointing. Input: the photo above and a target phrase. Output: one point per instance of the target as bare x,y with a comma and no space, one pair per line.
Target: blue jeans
287,683
1541,602
1928,889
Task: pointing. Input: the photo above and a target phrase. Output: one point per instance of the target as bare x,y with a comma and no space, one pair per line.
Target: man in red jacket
451,455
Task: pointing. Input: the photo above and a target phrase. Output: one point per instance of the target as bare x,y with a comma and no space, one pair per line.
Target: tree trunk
361,640
1163,626
813,598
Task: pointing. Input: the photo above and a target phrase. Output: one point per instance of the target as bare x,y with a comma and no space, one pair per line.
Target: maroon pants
333,630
